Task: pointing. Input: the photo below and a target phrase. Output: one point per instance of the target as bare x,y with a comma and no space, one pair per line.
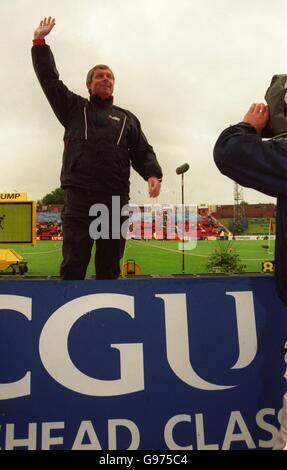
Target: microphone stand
183,220
180,171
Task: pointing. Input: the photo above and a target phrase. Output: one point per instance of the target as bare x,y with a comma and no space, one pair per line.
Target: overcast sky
186,68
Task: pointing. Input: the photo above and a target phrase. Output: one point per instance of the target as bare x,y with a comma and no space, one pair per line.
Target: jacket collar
100,102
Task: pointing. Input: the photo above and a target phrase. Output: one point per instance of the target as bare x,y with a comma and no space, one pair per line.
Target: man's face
102,83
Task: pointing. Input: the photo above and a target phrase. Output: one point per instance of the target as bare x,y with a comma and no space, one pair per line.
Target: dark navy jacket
101,140
241,154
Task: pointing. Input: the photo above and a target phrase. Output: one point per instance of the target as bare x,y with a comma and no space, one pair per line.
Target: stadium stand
48,226
163,226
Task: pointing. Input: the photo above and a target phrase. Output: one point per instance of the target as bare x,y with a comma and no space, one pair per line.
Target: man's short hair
91,73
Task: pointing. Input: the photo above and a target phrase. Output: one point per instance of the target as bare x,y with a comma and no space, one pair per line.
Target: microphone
182,169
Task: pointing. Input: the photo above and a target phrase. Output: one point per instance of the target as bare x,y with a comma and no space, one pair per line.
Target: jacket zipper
123,126
86,123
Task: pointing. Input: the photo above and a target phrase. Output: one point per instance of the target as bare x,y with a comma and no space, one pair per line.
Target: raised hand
45,26
257,116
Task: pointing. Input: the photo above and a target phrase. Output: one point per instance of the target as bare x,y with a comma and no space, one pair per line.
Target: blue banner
182,364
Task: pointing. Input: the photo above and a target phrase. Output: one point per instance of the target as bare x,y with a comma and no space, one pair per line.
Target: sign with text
8,197
180,364
268,266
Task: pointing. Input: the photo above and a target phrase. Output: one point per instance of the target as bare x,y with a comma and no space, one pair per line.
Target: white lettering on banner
57,361
86,429
130,425
245,436
177,342
86,437
200,435
266,427
21,387
235,420
199,426
168,432
30,442
47,439
246,326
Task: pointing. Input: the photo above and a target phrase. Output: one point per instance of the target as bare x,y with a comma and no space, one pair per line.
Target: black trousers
77,240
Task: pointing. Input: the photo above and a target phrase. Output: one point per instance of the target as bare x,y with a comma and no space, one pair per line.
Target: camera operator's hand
44,28
257,116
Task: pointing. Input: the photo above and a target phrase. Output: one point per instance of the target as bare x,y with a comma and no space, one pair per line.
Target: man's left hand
153,186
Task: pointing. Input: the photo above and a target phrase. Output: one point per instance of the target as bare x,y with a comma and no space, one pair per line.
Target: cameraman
242,154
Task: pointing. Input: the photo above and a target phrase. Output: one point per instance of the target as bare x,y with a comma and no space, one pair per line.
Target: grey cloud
187,69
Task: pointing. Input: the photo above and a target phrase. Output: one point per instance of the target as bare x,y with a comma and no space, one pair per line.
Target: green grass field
256,226
153,257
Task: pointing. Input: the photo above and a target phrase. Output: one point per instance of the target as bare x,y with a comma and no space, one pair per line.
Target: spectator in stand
242,154
101,141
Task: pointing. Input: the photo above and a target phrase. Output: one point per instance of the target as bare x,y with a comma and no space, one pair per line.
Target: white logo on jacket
115,118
